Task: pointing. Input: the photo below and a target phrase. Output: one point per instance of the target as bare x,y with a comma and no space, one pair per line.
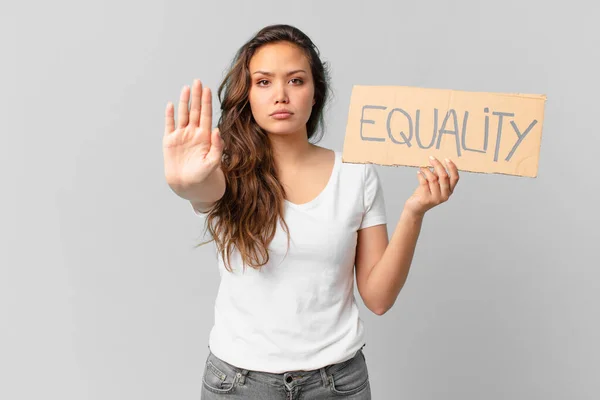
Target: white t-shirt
299,311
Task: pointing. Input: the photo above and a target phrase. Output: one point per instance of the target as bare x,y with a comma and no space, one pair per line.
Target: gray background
103,295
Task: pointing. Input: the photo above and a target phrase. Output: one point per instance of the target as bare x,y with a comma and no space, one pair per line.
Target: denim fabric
346,380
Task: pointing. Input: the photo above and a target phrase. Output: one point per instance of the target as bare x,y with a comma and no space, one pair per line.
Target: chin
283,128
281,132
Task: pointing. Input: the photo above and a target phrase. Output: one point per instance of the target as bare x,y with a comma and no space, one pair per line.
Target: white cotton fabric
299,311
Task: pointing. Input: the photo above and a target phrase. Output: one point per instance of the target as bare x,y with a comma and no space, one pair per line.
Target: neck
290,150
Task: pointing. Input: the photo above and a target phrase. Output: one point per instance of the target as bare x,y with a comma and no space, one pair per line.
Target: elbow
378,306
379,310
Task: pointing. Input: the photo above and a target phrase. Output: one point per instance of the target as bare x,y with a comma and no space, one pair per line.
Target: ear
314,102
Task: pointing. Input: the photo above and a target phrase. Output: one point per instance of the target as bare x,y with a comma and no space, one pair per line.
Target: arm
382,267
380,281
192,153
203,195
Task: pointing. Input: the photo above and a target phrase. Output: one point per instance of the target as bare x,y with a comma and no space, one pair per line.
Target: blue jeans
346,380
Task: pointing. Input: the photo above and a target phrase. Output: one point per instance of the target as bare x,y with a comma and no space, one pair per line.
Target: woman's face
281,80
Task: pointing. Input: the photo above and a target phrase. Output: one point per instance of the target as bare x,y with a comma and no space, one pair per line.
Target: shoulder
356,173
361,171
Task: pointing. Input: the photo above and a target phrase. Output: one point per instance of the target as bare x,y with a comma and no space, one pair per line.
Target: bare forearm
208,191
389,275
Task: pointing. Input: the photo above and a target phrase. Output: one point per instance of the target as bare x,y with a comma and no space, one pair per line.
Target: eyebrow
272,74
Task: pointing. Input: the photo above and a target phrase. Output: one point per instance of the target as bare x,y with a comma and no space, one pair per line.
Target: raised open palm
191,151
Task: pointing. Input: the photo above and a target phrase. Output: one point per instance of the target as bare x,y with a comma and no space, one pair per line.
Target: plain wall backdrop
103,295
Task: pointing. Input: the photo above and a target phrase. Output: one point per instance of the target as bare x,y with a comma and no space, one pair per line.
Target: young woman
291,223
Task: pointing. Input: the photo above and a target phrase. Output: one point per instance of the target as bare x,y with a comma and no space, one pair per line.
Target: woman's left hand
434,187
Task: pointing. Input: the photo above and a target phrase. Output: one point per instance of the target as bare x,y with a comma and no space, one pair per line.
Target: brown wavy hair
246,217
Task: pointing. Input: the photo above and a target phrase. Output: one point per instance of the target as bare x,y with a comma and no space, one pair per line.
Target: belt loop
242,376
324,377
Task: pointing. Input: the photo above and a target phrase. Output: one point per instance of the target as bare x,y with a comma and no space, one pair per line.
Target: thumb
422,180
216,146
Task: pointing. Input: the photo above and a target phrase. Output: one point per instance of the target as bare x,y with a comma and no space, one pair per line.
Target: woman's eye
264,82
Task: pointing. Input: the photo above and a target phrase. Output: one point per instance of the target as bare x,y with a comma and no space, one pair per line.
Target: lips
282,112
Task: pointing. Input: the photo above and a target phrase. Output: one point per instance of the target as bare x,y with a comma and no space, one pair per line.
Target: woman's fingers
432,181
200,110
198,116
195,107
169,121
423,181
443,178
206,113
453,171
182,114
216,147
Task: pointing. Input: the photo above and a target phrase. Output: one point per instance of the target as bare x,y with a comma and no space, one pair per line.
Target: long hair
246,217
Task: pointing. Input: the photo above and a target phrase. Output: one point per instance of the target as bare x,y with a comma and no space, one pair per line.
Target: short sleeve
374,202
203,220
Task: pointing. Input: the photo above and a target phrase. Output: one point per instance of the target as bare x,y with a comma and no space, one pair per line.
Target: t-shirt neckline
327,188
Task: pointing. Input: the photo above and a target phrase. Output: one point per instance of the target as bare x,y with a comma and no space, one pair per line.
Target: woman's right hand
191,151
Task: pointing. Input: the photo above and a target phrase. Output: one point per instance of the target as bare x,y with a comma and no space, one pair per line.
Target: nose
281,94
